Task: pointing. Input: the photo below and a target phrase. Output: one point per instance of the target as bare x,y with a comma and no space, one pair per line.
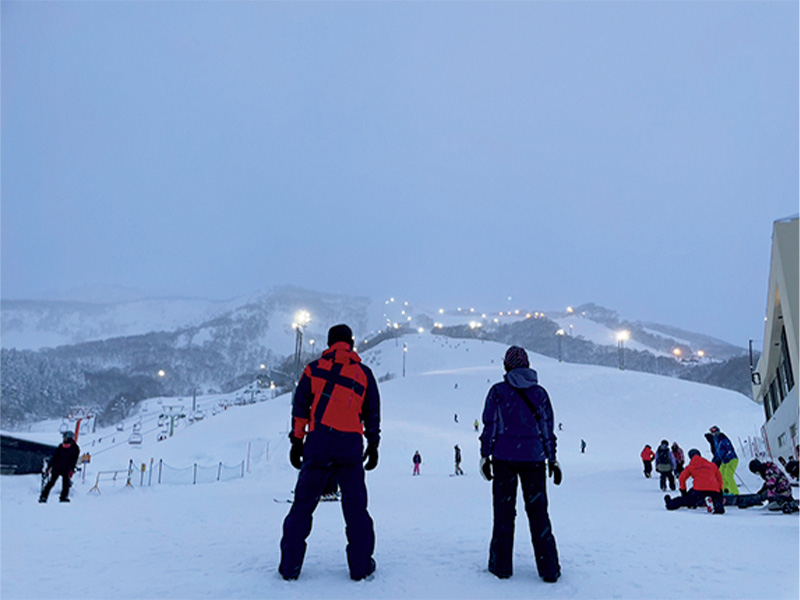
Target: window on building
767,407
788,371
782,440
773,396
779,384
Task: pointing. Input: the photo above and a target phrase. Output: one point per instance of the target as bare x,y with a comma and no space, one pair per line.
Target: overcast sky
451,153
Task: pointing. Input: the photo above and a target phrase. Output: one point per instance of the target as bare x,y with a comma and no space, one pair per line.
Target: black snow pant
648,467
504,498
667,475
65,485
328,452
694,498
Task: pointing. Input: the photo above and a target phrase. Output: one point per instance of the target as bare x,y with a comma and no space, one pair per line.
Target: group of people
336,406
713,481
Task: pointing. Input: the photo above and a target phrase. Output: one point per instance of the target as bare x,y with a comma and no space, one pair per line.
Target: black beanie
340,333
515,357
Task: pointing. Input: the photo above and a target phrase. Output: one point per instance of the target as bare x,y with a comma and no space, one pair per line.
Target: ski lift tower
173,412
78,414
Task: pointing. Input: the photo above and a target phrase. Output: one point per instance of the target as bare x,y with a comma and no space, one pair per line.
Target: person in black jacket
336,405
62,465
518,444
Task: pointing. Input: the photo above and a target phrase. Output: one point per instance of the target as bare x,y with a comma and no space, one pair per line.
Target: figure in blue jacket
725,458
518,443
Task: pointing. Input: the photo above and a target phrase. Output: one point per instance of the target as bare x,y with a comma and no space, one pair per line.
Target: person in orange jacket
706,483
647,459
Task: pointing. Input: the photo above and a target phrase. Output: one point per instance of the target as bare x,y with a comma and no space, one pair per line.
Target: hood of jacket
522,378
341,352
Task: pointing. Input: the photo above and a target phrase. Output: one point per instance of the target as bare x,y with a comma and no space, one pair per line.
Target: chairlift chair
135,439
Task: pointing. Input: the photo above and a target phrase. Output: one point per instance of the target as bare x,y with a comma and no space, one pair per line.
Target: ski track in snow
220,540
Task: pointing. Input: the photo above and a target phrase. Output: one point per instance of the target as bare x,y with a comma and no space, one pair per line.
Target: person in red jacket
336,405
647,460
706,483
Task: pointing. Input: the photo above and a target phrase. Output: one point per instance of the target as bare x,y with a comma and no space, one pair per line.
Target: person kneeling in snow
776,488
706,482
518,443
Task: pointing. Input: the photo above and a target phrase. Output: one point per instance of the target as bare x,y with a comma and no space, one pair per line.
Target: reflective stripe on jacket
339,392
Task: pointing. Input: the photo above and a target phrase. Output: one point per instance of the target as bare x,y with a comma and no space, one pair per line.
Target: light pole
622,336
405,351
559,335
302,318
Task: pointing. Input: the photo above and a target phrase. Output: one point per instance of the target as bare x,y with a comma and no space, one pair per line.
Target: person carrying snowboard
518,444
336,404
665,464
647,459
65,457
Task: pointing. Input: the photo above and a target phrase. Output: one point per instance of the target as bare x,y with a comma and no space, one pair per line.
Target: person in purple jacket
518,443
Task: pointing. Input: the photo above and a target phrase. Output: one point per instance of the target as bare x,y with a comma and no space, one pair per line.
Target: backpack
663,463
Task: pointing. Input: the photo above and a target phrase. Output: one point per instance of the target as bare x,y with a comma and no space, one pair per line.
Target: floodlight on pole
559,335
622,337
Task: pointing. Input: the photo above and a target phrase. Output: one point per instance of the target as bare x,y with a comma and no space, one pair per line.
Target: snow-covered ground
220,540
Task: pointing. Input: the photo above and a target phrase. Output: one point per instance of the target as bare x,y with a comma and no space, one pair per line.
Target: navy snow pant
328,452
504,498
667,476
694,498
65,485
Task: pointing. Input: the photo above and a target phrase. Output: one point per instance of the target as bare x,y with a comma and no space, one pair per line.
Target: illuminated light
497,320
483,316
623,336
391,299
570,310
406,303
701,353
471,310
397,326
501,313
677,352
311,342
441,311
162,373
402,312
528,316
263,367
409,318
516,312
302,318
560,332
421,330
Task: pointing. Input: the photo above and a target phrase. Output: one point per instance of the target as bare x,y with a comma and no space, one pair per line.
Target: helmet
714,429
755,466
68,435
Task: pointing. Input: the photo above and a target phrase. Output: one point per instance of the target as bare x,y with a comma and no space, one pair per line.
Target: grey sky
630,154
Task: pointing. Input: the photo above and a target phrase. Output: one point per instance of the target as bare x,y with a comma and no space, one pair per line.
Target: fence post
150,477
248,456
130,473
160,464
219,470
195,474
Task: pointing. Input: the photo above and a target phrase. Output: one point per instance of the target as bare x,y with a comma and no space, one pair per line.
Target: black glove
296,453
684,492
371,456
554,471
486,468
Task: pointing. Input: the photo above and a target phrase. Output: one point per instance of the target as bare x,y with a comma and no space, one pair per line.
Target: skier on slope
677,453
335,403
459,470
65,457
647,459
417,460
518,443
724,457
665,465
706,482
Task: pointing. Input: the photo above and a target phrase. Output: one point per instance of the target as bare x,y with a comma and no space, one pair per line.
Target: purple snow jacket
510,430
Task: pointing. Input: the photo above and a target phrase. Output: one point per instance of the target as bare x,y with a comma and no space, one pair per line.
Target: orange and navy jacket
705,473
339,392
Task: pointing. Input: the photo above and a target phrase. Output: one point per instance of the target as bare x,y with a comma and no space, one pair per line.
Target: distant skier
665,465
725,458
336,405
647,460
518,443
560,427
417,460
583,446
707,483
455,417
677,453
459,471
62,464
477,425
